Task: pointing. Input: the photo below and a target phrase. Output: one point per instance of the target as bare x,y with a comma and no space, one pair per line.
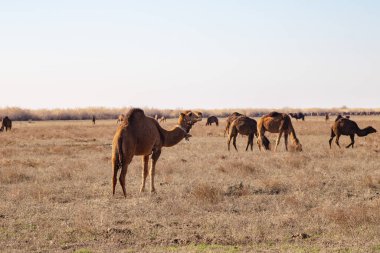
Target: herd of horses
138,134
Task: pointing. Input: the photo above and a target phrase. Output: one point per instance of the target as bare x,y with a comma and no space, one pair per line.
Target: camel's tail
119,148
227,129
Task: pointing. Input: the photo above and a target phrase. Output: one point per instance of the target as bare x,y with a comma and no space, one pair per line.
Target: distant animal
280,123
212,119
338,117
245,126
6,123
344,126
93,119
229,120
298,116
327,117
142,135
120,119
197,113
163,119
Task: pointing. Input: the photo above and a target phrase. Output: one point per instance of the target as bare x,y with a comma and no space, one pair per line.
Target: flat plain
56,192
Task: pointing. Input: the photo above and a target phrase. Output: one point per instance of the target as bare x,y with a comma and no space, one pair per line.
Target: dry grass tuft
9,176
207,194
371,183
274,186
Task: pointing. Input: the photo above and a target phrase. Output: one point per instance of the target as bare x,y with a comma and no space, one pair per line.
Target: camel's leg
116,166
259,143
337,140
253,137
278,140
352,136
145,160
286,135
332,137
229,142
156,154
234,142
123,173
250,141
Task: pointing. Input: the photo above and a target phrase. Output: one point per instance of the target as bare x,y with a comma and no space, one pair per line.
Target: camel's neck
174,136
293,135
362,132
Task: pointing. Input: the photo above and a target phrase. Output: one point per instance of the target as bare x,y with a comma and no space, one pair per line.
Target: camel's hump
274,114
134,114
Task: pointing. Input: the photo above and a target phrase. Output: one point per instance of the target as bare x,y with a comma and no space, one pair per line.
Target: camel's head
297,145
195,116
371,130
187,120
198,115
263,141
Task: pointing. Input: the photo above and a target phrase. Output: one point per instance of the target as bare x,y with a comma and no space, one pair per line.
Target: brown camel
197,114
212,119
163,119
6,123
120,119
142,135
344,126
229,120
245,126
298,115
280,123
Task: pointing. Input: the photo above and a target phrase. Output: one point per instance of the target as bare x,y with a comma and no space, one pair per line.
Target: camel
245,126
120,119
212,119
142,135
229,120
344,126
93,119
163,119
298,116
198,115
280,123
327,117
6,123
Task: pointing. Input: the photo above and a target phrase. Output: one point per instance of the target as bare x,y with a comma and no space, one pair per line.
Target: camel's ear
181,114
190,114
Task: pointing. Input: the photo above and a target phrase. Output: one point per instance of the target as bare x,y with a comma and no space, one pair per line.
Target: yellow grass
55,193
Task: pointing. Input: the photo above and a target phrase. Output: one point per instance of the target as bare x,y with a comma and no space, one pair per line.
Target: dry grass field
56,193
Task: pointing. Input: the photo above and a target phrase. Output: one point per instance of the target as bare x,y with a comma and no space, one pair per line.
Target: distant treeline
16,113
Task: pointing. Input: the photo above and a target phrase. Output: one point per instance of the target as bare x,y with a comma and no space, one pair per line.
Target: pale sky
190,54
